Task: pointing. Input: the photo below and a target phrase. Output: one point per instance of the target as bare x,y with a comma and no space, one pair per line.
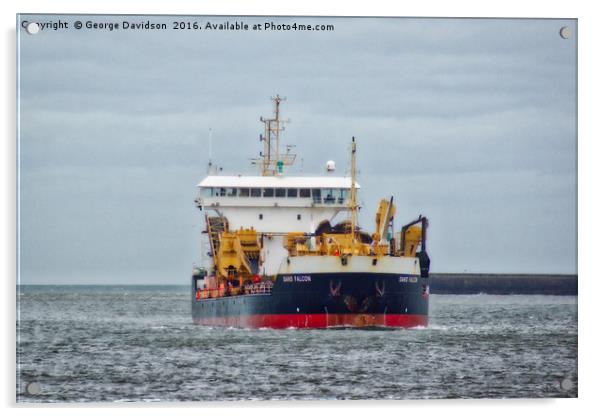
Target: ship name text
301,278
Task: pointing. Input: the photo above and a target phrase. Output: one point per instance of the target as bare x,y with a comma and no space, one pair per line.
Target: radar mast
272,160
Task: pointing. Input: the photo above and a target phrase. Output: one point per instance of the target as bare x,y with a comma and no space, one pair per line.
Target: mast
271,160
210,163
353,198
277,101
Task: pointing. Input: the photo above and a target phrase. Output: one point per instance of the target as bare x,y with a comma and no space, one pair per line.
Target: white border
589,207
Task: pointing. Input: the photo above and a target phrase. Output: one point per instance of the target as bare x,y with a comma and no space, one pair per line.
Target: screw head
32,28
566,384
565,32
33,388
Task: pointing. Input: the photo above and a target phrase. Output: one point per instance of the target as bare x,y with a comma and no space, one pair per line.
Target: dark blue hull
322,300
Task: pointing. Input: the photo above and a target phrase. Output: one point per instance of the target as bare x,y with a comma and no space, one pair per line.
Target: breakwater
503,284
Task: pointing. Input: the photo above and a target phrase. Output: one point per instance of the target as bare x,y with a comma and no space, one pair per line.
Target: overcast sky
471,122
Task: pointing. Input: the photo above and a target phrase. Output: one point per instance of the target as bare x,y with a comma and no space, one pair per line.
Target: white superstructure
275,205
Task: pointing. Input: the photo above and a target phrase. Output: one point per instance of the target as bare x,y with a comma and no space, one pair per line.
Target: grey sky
470,122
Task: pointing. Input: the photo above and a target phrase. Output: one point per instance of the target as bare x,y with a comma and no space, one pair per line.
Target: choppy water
138,344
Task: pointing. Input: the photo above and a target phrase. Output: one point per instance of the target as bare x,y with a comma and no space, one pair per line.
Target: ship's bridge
275,204
274,191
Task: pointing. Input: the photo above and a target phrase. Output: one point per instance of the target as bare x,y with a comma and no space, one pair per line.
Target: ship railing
328,200
262,288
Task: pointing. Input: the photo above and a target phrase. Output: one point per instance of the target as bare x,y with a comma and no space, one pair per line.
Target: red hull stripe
279,321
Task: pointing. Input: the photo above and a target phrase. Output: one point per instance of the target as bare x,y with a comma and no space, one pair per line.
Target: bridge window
329,196
231,191
255,192
244,192
206,192
304,193
280,192
221,192
292,193
268,192
317,195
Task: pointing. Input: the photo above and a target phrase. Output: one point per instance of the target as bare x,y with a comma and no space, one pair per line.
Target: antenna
210,142
210,164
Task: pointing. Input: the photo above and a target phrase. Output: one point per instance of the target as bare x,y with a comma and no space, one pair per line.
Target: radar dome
330,166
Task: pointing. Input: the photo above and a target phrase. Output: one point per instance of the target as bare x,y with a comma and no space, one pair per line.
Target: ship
286,251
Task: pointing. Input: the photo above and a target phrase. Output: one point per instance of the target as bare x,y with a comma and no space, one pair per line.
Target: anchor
335,291
380,291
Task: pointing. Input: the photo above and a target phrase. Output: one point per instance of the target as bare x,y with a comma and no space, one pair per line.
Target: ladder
215,226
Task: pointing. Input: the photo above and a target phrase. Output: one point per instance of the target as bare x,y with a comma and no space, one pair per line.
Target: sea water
138,343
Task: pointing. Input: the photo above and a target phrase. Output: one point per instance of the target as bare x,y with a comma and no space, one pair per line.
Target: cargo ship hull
322,300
